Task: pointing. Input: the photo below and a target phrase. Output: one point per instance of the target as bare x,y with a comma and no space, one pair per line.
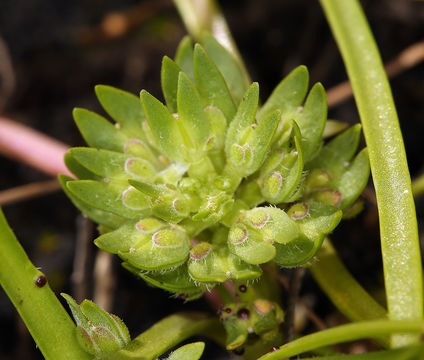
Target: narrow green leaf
191,114
169,80
98,132
211,85
289,94
77,169
311,120
184,56
113,165
354,179
227,65
168,248
164,127
125,108
111,197
104,218
244,117
188,352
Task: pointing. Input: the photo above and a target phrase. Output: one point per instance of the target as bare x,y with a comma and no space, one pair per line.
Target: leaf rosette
210,186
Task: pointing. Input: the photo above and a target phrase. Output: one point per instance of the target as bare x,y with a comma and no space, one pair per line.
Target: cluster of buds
210,186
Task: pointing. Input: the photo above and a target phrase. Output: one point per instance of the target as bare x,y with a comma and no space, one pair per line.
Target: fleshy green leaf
211,85
169,79
164,127
98,132
167,248
227,65
282,172
113,165
311,120
315,220
123,107
244,117
105,218
188,352
184,56
190,113
78,170
289,94
111,197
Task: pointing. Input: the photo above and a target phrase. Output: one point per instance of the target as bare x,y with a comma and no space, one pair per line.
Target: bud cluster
210,186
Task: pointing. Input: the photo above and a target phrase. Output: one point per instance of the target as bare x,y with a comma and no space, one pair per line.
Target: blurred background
53,53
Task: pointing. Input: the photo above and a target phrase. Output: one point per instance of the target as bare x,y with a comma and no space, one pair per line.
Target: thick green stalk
169,332
344,333
46,319
398,223
204,15
343,290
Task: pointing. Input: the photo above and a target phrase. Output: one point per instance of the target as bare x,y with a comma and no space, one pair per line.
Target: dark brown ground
58,57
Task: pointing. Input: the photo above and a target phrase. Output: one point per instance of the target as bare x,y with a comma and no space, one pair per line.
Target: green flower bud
98,332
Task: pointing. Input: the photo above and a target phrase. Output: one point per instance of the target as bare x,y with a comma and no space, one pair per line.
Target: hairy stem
46,319
398,223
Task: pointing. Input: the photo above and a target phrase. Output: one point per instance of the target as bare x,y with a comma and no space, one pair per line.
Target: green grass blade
398,224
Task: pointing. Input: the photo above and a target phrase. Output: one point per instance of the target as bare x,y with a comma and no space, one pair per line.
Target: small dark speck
41,281
242,288
239,351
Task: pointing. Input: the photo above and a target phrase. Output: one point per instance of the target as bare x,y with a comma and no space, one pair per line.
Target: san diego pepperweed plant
212,185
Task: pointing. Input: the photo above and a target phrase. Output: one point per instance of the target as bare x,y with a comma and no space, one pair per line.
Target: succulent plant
212,185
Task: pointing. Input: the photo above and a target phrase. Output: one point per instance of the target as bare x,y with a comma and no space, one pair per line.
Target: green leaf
105,218
111,197
188,352
237,333
177,281
315,220
184,56
311,120
190,113
211,85
249,245
98,132
129,234
164,127
336,154
123,107
217,264
113,165
282,172
169,80
244,117
78,170
167,248
354,179
289,94
227,65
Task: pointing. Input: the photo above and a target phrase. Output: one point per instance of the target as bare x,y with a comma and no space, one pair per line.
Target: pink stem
33,148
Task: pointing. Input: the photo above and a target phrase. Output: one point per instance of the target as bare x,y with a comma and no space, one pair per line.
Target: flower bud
98,332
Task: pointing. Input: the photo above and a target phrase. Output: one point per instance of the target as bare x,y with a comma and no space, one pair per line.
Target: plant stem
167,333
350,332
398,223
418,186
46,319
201,16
